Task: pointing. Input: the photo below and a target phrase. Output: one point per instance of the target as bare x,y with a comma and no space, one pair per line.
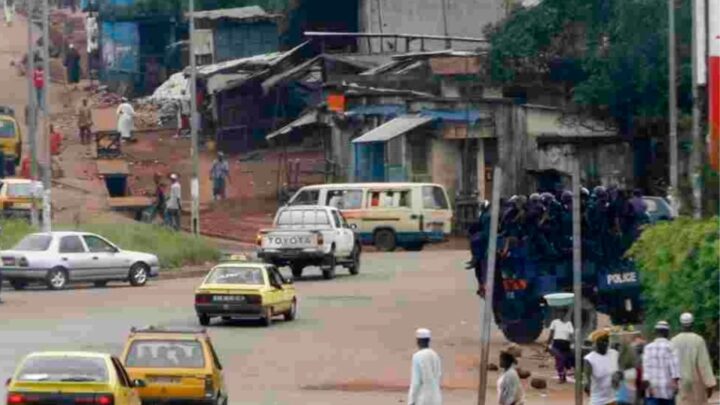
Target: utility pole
698,79
577,278
195,152
31,117
47,172
672,106
486,317
448,43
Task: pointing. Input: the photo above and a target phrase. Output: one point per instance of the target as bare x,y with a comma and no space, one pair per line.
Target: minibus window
434,198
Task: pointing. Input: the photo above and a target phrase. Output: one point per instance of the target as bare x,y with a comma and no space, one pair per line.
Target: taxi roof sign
235,257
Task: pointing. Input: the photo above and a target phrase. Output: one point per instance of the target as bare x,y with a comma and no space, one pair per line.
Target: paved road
352,342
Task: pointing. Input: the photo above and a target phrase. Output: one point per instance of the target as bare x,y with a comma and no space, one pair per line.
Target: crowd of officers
539,227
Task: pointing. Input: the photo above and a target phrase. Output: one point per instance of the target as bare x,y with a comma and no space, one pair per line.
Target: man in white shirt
696,374
661,372
601,377
173,205
426,373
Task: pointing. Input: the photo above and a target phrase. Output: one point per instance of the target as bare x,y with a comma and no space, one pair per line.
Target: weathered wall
445,160
465,18
606,164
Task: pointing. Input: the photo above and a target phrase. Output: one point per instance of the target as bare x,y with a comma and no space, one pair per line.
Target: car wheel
56,279
385,240
268,318
297,270
19,285
138,275
354,266
292,314
100,284
328,269
203,319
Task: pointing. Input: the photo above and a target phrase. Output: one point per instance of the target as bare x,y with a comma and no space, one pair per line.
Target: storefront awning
393,128
307,119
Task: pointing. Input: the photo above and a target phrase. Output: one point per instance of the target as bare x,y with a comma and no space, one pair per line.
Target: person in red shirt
39,84
55,141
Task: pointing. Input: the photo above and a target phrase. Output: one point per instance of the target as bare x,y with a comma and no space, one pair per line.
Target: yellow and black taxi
17,196
77,378
10,139
245,290
176,365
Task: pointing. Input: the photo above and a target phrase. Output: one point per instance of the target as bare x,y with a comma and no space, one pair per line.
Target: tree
611,54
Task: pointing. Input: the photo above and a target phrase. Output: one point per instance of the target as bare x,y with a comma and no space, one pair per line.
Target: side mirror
353,227
139,384
8,381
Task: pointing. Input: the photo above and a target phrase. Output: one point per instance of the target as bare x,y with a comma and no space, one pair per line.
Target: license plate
228,298
8,261
165,380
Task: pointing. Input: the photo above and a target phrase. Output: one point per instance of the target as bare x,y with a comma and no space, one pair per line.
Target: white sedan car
57,258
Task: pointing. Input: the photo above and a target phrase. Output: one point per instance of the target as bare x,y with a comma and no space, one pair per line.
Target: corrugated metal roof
392,129
255,61
220,82
386,110
460,115
239,13
307,119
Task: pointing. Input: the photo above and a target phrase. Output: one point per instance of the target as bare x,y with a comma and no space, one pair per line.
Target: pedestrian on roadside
510,391
600,371
173,204
661,372
697,380
160,198
39,84
85,122
72,66
126,116
183,114
220,175
561,332
56,139
9,8
426,373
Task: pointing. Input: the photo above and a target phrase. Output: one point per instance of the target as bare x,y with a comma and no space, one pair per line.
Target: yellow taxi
16,196
245,290
80,378
177,365
10,138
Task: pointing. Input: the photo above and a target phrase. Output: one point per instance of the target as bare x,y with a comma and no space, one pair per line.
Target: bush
679,264
174,249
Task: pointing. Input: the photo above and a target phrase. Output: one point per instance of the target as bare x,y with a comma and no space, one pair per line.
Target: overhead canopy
306,119
251,13
393,128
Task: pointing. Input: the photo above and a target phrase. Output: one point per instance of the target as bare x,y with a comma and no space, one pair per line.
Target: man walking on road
85,122
426,373
600,371
660,368
173,205
696,375
220,175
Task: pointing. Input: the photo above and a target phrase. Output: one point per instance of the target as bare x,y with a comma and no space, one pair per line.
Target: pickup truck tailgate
290,240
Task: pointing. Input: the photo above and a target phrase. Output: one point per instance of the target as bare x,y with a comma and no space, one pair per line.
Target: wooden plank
115,166
130,202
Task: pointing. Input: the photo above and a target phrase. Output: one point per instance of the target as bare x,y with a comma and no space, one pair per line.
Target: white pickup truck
310,235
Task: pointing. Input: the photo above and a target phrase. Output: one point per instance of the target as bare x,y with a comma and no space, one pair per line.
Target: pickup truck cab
310,235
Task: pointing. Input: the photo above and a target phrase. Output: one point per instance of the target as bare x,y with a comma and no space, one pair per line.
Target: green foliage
174,249
611,53
680,268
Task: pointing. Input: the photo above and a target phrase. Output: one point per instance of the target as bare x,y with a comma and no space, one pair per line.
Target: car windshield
7,128
236,275
22,190
303,219
64,369
34,243
165,354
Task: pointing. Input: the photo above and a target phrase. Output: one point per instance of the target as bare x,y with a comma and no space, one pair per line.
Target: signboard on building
714,81
455,65
336,102
459,131
121,46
